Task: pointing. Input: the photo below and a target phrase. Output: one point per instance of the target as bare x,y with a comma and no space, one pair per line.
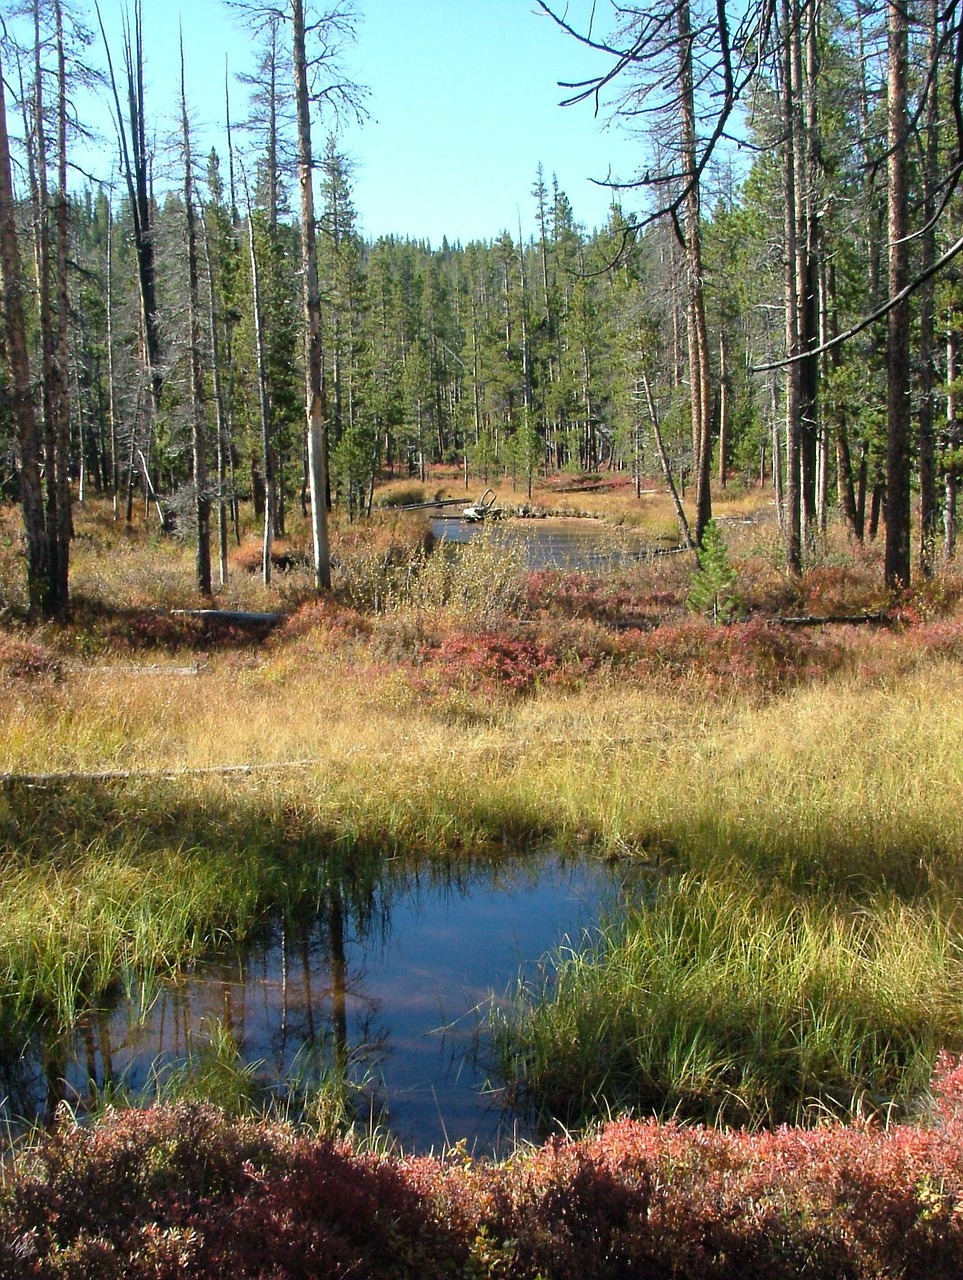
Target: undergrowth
186,1192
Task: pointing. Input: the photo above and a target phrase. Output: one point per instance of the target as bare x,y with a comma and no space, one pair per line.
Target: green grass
811,820
726,1005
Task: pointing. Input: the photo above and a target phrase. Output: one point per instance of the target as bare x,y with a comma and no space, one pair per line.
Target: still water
576,545
396,979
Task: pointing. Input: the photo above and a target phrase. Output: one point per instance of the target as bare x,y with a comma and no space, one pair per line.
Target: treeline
188,345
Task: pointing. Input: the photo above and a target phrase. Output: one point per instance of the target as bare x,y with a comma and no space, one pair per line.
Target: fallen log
233,617
423,506
125,775
836,620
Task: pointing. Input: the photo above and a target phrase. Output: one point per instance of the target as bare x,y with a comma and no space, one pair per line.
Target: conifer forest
773,297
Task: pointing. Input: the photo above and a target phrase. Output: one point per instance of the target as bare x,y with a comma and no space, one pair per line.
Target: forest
287,731
781,309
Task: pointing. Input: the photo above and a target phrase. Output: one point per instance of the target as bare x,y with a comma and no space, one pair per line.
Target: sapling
713,585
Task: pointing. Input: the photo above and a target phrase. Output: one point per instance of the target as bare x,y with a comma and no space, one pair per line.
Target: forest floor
169,779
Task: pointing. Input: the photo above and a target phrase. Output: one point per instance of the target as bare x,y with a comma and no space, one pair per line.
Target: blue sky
463,102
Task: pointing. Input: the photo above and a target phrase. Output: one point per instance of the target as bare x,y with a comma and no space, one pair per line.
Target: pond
397,980
571,544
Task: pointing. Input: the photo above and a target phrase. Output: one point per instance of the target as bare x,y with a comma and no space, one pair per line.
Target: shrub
608,599
402,495
754,655
183,1192
325,616
488,662
249,556
27,660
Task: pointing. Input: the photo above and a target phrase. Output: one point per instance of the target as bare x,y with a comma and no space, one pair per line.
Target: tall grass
721,1004
847,786
834,788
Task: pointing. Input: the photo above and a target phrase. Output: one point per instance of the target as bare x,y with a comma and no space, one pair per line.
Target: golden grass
834,780
848,785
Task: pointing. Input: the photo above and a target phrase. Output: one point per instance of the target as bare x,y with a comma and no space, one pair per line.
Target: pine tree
713,584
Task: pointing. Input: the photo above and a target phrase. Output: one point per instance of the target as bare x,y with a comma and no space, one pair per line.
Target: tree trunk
897,557
666,467
63,531
926,426
793,506
222,426
699,376
264,406
21,385
202,500
315,408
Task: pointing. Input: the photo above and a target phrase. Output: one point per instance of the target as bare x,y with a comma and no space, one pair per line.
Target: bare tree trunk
315,407
724,410
202,500
926,437
53,396
952,441
699,376
21,384
666,467
793,524
222,429
111,382
897,557
804,72
267,442
135,164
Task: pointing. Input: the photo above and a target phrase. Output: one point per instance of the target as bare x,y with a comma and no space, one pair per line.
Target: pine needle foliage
713,593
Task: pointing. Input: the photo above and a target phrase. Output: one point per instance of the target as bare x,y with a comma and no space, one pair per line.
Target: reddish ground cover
185,1192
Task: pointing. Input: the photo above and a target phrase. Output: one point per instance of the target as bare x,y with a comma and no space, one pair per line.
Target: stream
394,982
567,544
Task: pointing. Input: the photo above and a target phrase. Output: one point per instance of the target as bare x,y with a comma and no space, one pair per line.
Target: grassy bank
437,708
718,1003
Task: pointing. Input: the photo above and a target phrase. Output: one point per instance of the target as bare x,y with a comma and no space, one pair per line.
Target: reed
722,1005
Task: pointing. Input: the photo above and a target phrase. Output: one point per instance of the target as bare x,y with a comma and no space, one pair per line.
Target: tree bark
22,406
897,555
202,499
699,375
315,407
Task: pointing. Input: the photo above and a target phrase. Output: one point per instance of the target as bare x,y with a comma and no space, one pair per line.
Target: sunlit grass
841,788
836,787
724,1004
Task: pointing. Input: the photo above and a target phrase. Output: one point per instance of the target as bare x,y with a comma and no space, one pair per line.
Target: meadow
791,791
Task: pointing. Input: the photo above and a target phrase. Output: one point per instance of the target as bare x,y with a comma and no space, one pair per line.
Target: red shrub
757,654
551,593
488,662
25,660
249,556
326,615
185,1192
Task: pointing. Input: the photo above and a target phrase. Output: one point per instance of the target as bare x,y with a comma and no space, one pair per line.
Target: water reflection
383,985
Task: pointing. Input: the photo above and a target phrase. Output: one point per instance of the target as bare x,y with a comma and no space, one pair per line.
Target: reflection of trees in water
267,996
294,1001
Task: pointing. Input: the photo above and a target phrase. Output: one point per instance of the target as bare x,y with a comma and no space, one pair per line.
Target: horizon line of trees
188,346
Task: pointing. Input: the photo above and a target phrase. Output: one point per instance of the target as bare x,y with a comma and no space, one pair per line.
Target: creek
569,544
391,978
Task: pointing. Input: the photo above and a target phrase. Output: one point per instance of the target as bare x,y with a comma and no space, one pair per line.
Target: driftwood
133,669
423,506
124,775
